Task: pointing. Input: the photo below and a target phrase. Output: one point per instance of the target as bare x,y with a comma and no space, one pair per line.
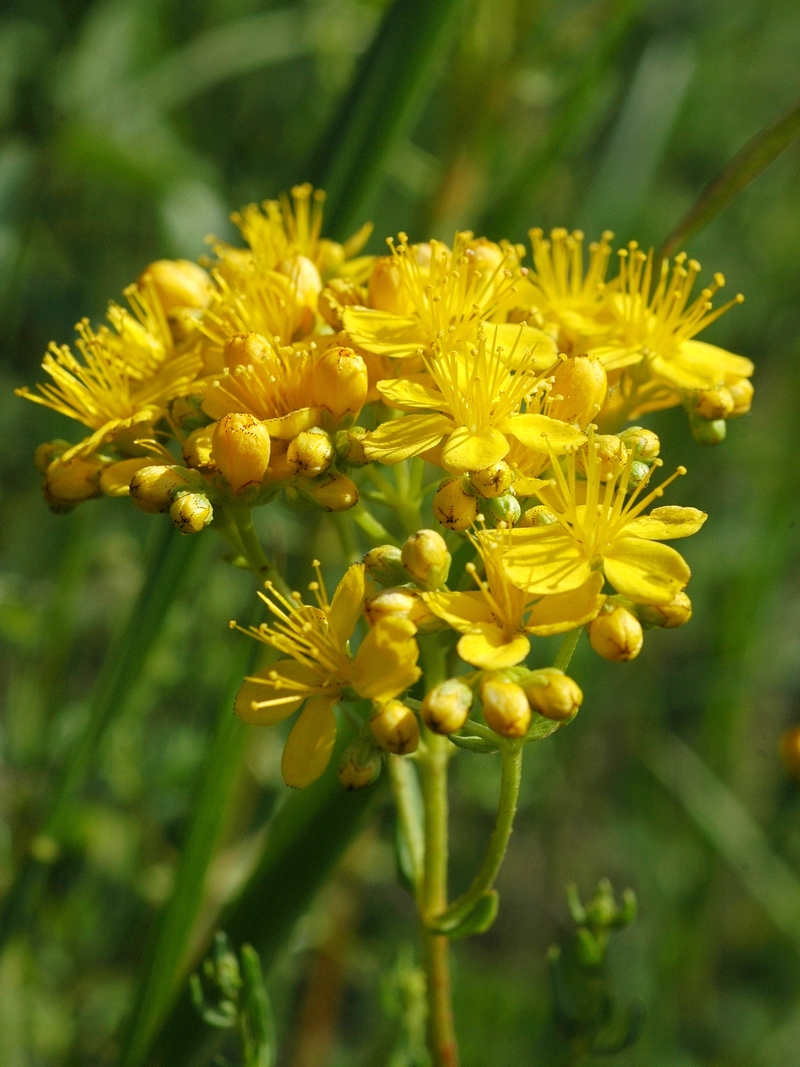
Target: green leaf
473,744
388,93
478,920
257,1022
746,165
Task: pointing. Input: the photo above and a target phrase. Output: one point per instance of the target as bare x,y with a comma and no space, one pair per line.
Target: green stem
342,524
369,525
568,645
258,561
511,775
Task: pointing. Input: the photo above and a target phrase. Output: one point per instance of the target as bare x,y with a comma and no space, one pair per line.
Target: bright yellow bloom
449,295
477,400
600,527
496,619
320,669
128,373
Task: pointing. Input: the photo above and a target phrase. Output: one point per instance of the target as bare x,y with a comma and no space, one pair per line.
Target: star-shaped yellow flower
320,669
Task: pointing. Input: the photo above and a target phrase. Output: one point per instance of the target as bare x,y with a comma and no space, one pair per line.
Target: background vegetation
128,130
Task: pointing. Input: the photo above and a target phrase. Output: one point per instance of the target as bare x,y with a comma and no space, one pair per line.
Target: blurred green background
128,131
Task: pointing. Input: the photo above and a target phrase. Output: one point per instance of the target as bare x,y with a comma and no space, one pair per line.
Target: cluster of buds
617,632
422,565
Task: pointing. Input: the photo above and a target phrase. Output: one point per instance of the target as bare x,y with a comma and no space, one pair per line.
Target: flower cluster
297,366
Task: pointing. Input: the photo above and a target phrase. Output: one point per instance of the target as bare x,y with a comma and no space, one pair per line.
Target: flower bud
191,512
198,451
426,559
403,604
714,403
333,491
790,751
676,613
240,448
47,452
539,515
505,707
310,453
705,431
395,728
116,478
338,294
742,394
446,708
492,481
245,349
70,483
340,382
579,390
553,694
178,283
503,509
644,444
187,413
153,488
360,764
610,453
485,256
349,446
385,565
304,277
639,470
616,635
454,506
386,292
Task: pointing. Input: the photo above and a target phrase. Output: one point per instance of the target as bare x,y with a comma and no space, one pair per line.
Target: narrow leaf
746,165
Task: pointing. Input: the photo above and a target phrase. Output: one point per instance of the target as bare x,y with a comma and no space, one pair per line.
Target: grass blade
746,165
169,559
391,86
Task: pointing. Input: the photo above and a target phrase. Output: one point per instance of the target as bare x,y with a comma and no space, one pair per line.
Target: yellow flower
447,296
654,332
496,619
601,528
477,400
127,375
321,670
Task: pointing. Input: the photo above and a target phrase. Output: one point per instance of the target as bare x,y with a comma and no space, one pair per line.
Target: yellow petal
386,662
525,486
491,649
667,523
646,572
384,334
724,366
465,451
276,701
116,479
545,561
289,426
309,746
544,434
567,611
409,395
347,603
398,439
517,339
462,611
615,356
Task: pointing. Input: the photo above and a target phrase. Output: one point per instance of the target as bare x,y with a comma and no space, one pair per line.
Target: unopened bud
340,383
153,488
553,694
385,565
705,431
426,559
240,448
485,256
454,506
47,452
616,634
790,751
492,481
539,515
198,449
610,453
386,292
70,483
714,403
403,604
395,728
116,478
505,707
644,444
360,764
187,413
638,472
191,512
503,510
338,294
310,453
304,277
349,446
245,349
742,394
676,613
178,283
333,491
446,708
579,390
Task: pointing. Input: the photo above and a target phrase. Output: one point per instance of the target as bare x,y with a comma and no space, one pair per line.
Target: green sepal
542,727
478,920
